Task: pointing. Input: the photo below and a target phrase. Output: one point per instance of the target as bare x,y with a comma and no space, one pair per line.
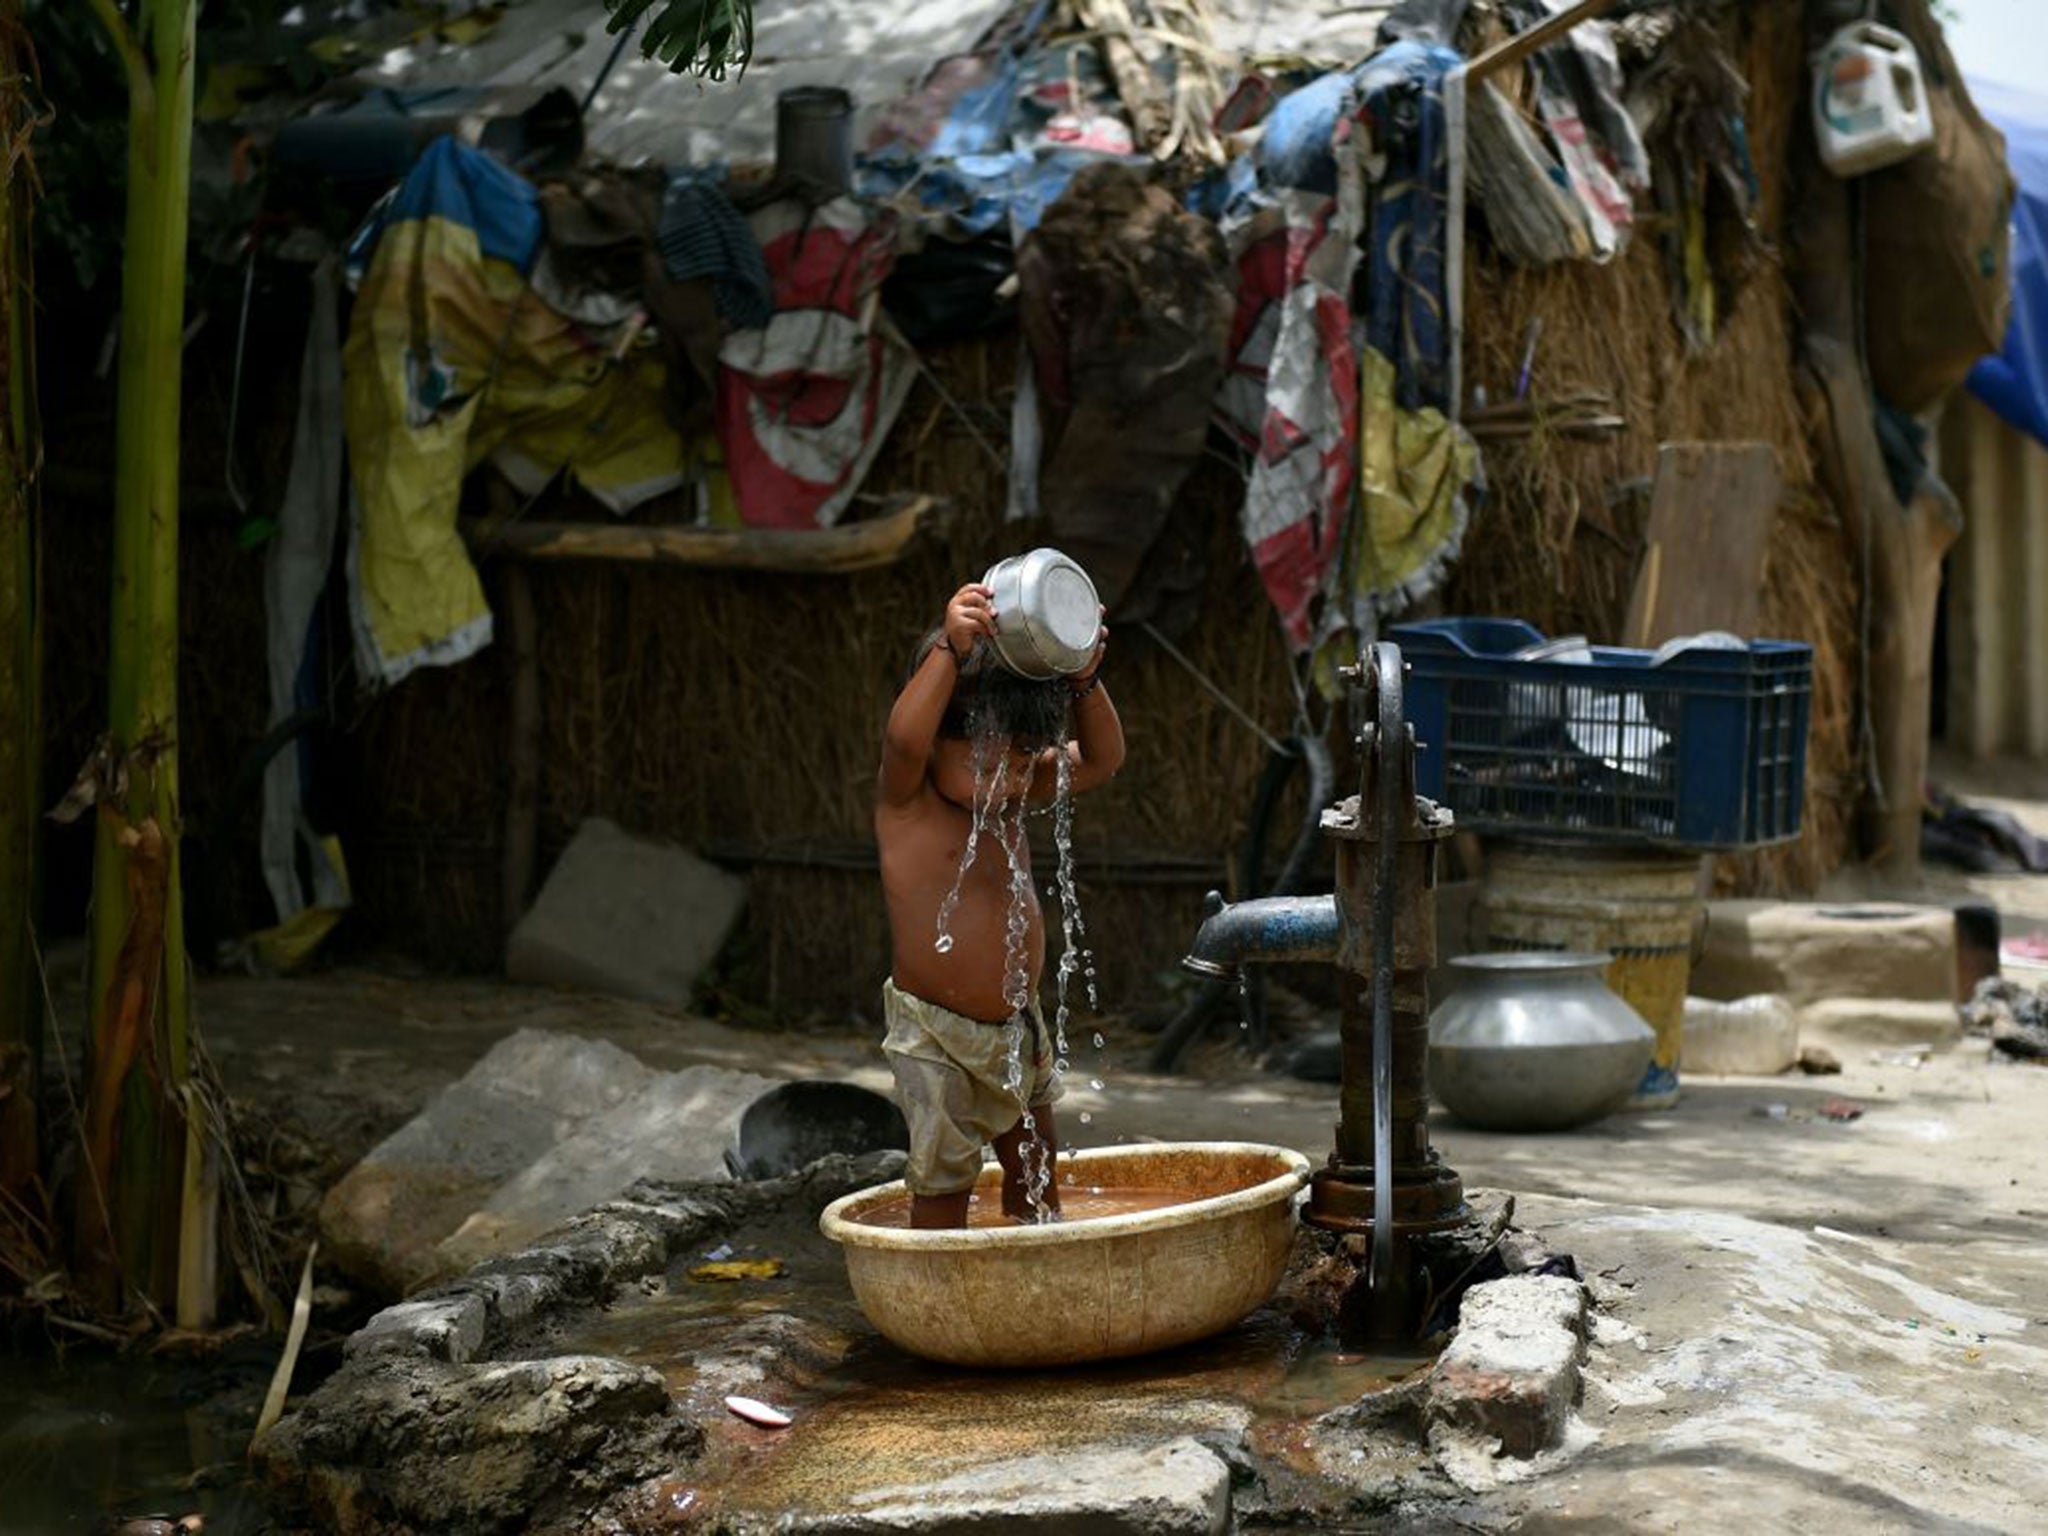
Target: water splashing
987,784
1001,809
1017,925
1074,951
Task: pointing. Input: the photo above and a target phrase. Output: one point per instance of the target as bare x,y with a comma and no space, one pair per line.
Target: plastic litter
754,1411
740,1269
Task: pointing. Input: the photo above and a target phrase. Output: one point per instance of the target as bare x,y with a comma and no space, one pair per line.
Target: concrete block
447,1328
381,1223
1164,1490
1511,1373
626,916
1808,953
677,1128
1882,1021
1750,1037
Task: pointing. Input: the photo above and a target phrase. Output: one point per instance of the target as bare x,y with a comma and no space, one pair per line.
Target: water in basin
1077,1203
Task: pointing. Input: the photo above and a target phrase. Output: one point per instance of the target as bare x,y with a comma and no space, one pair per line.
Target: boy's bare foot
939,1211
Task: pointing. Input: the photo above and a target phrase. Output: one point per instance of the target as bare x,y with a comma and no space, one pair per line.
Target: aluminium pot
1535,1041
1048,616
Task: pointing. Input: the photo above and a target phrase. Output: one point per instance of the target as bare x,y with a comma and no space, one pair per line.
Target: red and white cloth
805,403
1291,395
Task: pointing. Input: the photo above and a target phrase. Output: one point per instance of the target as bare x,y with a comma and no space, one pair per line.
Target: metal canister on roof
814,136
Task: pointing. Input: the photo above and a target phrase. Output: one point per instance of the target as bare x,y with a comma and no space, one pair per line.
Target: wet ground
1945,1172
868,1418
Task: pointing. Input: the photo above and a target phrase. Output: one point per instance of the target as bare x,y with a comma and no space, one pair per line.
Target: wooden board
860,546
1712,508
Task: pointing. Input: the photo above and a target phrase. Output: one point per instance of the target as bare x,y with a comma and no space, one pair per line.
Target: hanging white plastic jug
1869,105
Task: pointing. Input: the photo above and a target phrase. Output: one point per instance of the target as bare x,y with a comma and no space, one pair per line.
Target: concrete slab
1164,1491
626,916
677,1128
1808,952
381,1223
1754,1375
1882,1021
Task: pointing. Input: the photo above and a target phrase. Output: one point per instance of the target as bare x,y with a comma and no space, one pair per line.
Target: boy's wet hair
991,700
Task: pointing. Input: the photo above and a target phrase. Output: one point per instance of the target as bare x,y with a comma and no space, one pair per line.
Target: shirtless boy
950,1023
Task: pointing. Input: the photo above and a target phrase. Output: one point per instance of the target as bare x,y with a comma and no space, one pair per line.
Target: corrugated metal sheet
876,49
1322,33
1997,584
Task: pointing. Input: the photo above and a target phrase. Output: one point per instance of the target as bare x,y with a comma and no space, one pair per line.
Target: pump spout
1273,928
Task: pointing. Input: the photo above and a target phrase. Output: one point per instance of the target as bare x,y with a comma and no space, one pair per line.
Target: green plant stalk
21,734
146,1181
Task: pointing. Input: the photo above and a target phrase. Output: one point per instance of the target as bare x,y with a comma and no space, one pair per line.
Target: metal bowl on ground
1535,1041
1083,1290
1048,616
794,1124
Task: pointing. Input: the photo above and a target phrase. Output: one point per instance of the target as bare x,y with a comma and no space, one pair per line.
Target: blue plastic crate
1706,750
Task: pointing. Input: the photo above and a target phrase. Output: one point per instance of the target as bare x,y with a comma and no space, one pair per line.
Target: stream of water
1001,811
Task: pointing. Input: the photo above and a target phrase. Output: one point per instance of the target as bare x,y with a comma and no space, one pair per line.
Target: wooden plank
860,546
1904,547
1712,509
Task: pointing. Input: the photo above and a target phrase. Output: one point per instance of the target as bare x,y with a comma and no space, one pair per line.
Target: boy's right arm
914,722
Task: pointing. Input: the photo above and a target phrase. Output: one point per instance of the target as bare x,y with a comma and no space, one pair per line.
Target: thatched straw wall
741,713
1558,546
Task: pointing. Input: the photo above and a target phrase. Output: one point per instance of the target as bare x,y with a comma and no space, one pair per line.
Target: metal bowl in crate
1695,747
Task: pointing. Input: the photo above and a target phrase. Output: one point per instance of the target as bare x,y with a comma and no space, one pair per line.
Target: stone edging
387,1442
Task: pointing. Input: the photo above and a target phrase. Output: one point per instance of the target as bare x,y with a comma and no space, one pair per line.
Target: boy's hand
969,616
1087,673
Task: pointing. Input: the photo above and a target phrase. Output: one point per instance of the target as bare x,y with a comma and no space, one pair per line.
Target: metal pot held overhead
1048,616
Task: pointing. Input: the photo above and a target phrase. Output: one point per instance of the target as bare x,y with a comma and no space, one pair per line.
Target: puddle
89,1437
869,1417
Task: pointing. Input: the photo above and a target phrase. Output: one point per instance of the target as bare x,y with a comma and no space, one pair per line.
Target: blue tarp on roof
2014,383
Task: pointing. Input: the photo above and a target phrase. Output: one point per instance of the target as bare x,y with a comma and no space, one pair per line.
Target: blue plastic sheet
2014,383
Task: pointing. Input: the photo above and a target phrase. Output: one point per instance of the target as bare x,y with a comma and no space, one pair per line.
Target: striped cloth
702,235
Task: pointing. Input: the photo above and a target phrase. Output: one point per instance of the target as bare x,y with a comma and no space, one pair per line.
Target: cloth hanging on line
453,359
806,401
295,573
1125,311
702,236
1357,499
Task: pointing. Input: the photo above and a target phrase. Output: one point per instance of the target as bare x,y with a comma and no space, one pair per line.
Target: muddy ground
1809,1321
